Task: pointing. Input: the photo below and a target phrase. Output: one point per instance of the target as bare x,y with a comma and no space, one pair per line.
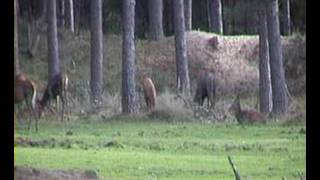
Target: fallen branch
301,176
236,174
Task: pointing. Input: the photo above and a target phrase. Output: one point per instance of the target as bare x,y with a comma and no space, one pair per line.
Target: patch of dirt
29,173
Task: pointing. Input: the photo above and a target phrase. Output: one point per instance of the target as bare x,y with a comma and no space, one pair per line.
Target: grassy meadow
142,148
170,143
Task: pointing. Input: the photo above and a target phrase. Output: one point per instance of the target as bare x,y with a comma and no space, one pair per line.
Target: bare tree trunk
71,16
168,17
155,8
286,18
128,89
246,14
279,96
16,42
63,13
265,93
183,81
188,14
53,50
96,81
77,13
215,16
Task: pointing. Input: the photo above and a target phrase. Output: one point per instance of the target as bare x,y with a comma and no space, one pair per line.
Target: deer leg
29,107
63,104
66,106
57,103
34,115
19,114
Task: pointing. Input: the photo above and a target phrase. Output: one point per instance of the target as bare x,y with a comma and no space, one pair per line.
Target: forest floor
169,144
233,59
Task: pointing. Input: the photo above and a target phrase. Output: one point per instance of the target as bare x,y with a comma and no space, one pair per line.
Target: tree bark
183,81
77,15
96,81
168,17
286,28
52,35
16,42
188,14
265,93
215,16
279,96
71,15
63,9
128,89
155,8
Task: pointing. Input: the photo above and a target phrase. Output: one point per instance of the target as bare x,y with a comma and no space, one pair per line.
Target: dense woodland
154,20
239,16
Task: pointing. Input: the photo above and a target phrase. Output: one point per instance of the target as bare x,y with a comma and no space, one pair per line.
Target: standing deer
25,91
149,92
57,87
206,88
246,116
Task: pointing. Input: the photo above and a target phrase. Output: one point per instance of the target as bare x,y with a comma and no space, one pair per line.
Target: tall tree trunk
265,93
168,17
246,14
52,35
141,19
286,28
215,16
155,8
77,13
128,89
71,15
96,81
188,14
16,42
233,21
279,96
63,13
183,81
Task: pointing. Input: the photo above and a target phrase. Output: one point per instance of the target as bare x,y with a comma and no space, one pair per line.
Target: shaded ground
29,173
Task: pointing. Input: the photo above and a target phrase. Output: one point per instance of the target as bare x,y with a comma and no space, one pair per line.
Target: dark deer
246,116
206,88
149,92
57,87
25,91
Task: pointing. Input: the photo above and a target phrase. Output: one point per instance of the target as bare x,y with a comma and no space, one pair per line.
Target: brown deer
246,116
57,87
206,88
25,91
149,92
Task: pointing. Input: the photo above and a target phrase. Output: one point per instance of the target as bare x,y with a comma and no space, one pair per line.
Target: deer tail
34,95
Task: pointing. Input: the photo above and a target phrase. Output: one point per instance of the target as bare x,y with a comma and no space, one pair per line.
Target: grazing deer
57,87
246,116
149,92
206,88
25,91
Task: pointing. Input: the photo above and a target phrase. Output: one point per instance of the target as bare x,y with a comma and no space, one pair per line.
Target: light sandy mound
234,60
227,60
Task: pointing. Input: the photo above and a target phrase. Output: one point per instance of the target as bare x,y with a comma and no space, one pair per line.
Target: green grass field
150,149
